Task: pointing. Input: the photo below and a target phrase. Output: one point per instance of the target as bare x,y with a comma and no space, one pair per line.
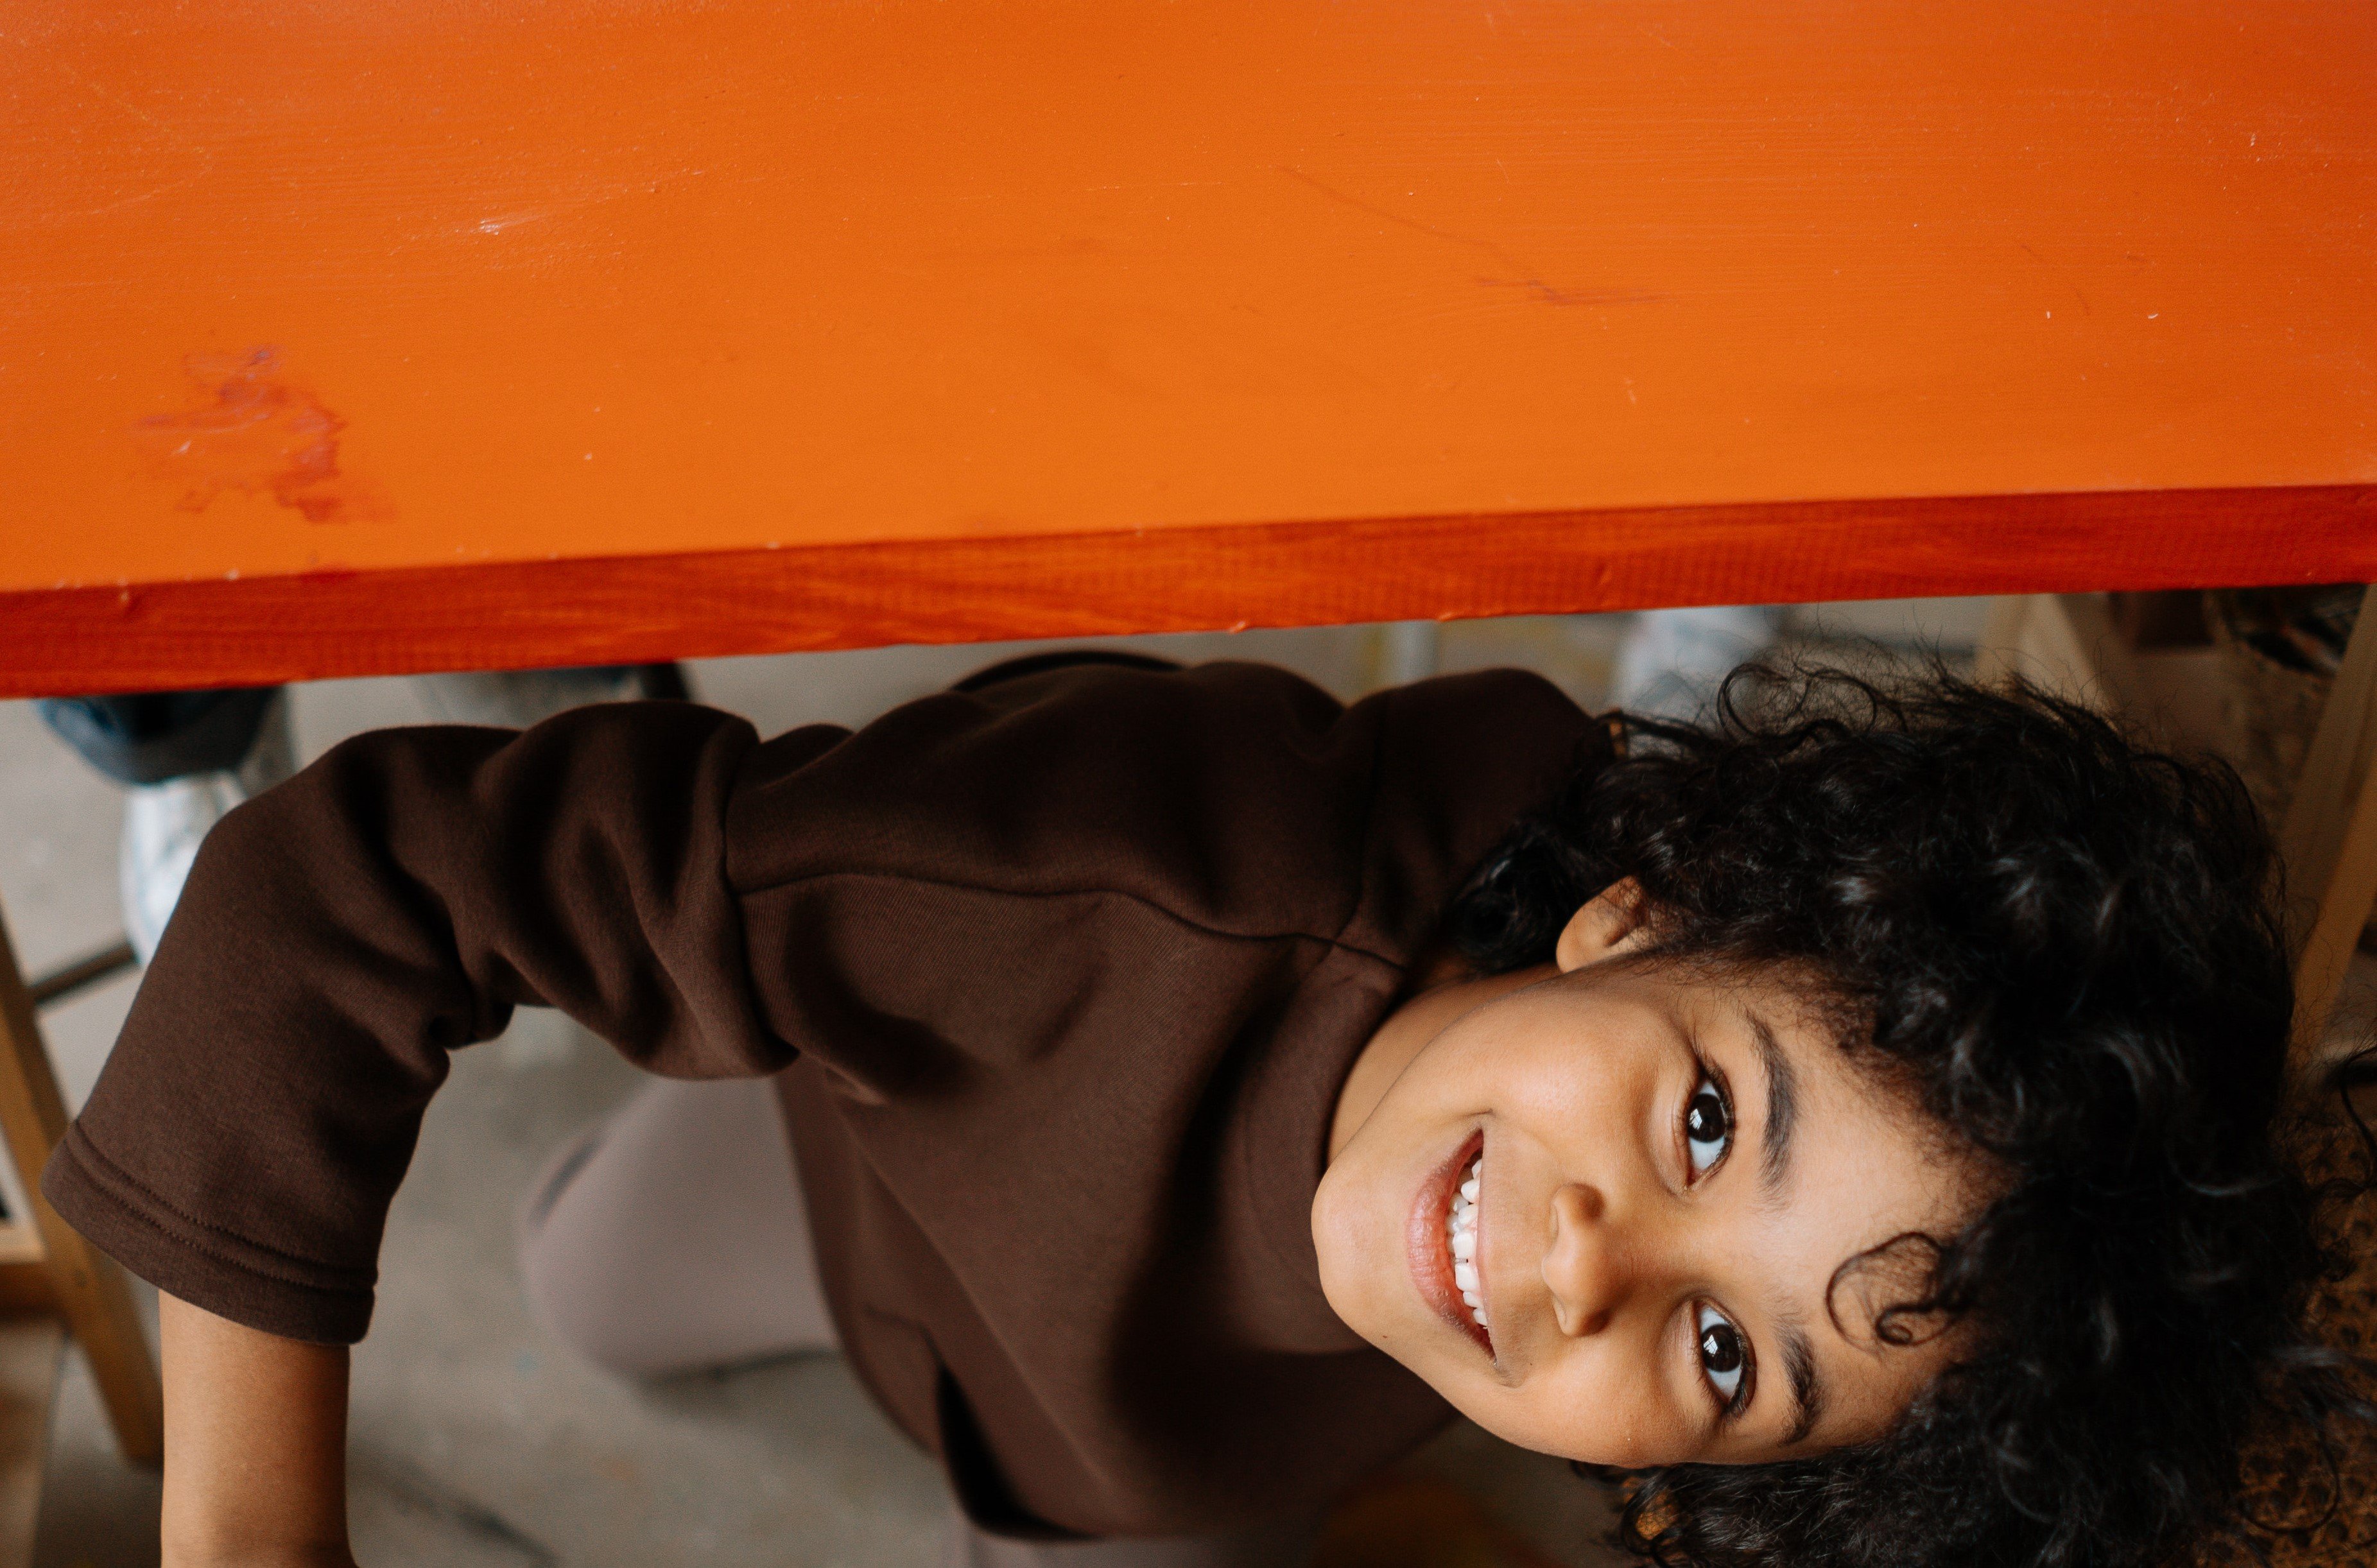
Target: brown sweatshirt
1060,979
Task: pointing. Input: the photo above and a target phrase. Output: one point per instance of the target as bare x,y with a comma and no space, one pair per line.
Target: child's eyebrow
1782,1107
1806,1392
1773,1166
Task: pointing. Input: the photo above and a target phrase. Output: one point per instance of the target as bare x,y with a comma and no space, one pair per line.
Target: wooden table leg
2330,839
91,1292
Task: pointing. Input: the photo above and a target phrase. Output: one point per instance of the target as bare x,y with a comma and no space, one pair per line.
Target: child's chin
1333,1245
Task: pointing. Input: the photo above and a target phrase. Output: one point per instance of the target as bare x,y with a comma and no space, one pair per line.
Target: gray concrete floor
477,1441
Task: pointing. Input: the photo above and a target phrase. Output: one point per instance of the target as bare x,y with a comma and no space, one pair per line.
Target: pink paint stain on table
256,431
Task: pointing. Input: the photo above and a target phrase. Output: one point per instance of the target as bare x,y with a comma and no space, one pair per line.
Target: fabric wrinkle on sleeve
341,933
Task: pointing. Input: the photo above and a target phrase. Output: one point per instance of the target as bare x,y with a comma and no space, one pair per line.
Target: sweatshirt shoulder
1238,796
1461,759
1230,794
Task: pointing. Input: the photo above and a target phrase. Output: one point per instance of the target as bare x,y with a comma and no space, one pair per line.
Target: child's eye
1708,1126
1725,1357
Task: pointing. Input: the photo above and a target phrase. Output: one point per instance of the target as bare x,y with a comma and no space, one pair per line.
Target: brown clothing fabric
644,1256
1067,973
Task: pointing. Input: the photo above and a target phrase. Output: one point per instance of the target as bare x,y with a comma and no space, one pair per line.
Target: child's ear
1612,923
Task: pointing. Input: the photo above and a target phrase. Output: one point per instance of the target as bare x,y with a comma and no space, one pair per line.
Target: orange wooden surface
344,337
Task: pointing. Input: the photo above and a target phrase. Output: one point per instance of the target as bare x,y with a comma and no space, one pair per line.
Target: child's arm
256,1446
342,933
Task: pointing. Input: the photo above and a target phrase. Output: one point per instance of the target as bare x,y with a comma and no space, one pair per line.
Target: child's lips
1430,1263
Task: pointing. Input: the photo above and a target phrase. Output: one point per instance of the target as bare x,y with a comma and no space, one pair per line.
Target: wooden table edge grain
497,615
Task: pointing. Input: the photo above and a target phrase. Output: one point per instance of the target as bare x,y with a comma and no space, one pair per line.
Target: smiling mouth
1461,1239
1444,1225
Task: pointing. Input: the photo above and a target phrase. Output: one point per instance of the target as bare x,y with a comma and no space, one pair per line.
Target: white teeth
1460,1239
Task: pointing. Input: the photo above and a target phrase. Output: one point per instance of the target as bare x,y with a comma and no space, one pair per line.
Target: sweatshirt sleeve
341,933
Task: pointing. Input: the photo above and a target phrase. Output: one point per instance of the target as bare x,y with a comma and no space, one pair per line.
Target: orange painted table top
341,338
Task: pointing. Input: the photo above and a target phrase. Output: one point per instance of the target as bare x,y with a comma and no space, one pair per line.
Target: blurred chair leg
2330,838
87,1288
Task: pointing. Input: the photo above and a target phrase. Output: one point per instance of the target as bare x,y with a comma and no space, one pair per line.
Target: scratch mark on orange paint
257,432
496,224
1551,295
2085,310
1546,293
118,102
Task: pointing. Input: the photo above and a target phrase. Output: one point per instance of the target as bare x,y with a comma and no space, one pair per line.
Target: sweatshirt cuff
213,1269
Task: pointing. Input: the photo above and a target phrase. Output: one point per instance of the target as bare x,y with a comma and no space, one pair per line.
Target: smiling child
1177,1093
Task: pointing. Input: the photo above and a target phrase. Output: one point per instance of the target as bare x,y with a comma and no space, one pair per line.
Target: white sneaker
164,823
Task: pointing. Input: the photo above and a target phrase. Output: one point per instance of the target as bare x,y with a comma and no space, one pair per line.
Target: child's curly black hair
2067,949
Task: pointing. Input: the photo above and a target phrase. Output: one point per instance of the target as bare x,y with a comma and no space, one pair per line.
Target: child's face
1653,1242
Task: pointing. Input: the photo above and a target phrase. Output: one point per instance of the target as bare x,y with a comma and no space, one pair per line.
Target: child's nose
1586,1267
